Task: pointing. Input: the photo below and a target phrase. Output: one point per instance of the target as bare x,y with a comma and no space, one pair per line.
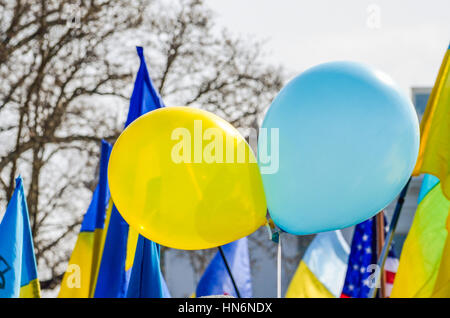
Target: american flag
362,262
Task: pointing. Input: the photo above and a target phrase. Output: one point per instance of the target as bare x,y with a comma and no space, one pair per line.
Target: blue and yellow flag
424,246
119,252
216,279
18,274
79,279
424,268
321,272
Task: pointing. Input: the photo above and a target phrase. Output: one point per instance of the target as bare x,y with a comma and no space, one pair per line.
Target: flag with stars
362,262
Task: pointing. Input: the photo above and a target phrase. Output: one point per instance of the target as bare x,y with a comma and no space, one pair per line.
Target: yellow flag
434,152
424,269
442,287
306,285
422,252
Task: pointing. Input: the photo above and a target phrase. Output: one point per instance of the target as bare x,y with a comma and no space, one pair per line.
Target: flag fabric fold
216,279
424,246
144,98
112,278
79,279
146,279
18,273
434,151
321,271
442,287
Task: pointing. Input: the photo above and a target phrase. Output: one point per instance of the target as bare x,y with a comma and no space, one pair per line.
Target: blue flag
146,279
216,279
114,274
18,274
144,98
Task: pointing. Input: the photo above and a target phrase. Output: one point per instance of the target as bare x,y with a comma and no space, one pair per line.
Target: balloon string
269,231
279,268
275,236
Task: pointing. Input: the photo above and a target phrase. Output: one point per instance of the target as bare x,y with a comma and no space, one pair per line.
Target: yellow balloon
186,179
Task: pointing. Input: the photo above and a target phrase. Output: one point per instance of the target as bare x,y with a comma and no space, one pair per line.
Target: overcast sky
405,38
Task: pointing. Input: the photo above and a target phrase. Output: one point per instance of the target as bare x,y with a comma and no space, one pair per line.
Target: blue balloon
348,142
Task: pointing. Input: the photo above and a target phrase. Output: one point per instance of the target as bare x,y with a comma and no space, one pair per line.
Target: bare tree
53,63
66,74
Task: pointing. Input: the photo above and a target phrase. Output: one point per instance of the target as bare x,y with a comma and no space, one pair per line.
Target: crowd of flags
110,259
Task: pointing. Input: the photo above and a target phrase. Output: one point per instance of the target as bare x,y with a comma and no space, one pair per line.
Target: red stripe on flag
390,276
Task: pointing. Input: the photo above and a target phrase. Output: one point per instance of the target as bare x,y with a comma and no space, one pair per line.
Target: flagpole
390,235
229,271
380,243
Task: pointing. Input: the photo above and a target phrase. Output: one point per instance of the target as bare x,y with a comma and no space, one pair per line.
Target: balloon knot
274,234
